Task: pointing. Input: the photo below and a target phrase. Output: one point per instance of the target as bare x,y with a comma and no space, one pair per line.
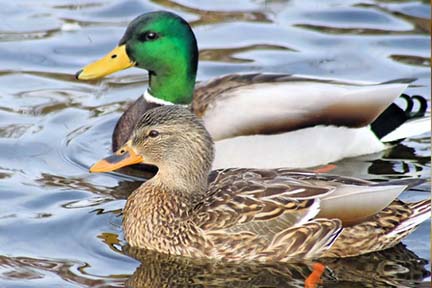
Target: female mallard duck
327,120
249,214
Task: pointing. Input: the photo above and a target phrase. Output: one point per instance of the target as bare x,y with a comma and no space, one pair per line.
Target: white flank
409,129
264,104
298,149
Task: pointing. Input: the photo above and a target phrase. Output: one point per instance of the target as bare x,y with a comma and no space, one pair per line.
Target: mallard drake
243,214
325,119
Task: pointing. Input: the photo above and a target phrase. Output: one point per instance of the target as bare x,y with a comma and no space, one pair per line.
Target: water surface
61,226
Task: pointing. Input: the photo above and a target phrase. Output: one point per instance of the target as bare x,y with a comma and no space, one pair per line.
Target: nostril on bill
77,74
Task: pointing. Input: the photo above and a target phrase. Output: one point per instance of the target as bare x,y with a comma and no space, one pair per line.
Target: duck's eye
148,36
153,133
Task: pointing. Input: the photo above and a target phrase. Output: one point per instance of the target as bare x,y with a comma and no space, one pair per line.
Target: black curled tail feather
394,116
422,108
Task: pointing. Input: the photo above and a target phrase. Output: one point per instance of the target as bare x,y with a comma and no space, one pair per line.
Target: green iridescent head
163,44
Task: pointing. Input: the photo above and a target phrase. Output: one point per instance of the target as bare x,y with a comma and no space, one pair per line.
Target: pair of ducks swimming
253,214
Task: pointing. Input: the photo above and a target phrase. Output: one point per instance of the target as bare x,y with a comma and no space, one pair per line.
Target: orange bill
125,156
114,61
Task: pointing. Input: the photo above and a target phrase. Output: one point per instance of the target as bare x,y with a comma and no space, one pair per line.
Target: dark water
61,226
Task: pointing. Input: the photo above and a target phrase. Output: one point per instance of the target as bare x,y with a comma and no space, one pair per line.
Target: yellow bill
125,156
114,61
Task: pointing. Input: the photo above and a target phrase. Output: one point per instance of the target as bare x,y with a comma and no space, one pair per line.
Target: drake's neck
175,86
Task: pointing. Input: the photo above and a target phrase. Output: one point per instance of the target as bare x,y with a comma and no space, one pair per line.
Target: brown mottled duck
275,215
290,115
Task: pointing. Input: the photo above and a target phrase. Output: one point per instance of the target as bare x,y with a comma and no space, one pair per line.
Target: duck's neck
156,216
156,198
175,85
168,195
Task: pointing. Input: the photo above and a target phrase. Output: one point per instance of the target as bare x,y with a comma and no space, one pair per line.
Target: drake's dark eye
153,133
148,36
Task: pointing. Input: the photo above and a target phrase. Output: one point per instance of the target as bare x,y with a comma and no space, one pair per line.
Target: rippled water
61,226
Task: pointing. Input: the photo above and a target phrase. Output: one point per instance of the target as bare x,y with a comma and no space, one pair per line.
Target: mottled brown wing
263,202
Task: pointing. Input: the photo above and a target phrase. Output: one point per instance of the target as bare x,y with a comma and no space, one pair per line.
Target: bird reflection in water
395,267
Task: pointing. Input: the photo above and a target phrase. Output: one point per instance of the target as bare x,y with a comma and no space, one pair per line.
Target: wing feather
260,201
253,104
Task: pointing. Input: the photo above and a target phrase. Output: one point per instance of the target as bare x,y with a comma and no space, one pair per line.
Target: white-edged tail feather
410,128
